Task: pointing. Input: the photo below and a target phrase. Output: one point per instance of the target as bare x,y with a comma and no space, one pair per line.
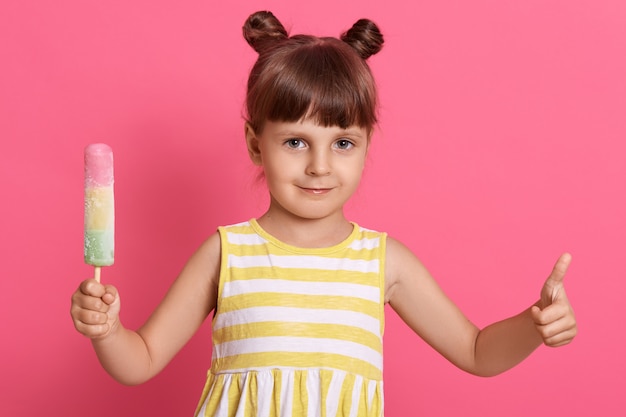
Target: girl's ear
253,145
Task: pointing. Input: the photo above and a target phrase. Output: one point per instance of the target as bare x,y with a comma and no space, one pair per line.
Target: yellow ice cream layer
99,208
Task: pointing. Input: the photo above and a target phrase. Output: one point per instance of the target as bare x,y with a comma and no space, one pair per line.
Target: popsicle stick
97,273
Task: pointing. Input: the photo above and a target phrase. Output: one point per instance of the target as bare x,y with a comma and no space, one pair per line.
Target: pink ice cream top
98,165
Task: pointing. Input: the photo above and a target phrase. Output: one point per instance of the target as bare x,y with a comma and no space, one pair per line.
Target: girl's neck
306,233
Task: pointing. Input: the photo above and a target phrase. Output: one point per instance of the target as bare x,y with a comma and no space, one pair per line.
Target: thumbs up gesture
553,315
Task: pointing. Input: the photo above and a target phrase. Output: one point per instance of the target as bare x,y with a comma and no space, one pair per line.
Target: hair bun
365,37
262,29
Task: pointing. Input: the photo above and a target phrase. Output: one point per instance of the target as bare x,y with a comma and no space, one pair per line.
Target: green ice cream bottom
99,247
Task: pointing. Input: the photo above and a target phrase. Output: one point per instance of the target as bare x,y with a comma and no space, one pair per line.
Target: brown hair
323,78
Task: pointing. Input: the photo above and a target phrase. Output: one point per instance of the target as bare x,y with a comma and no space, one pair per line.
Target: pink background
501,145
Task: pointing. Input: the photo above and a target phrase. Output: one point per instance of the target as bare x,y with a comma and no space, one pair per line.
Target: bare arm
133,357
420,302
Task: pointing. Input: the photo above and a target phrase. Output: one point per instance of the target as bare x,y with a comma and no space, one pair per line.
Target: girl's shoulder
402,266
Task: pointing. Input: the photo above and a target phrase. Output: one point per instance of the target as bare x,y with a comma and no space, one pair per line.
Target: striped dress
297,332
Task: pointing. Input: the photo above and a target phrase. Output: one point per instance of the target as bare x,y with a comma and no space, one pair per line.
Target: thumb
111,295
92,288
554,282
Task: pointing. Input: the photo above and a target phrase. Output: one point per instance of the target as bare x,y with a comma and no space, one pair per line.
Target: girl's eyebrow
295,132
290,134
289,131
352,132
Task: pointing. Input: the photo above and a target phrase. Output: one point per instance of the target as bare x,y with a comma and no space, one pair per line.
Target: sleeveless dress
297,332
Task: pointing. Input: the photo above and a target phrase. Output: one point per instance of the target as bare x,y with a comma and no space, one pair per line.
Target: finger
110,295
90,317
87,302
92,287
90,323
554,332
549,314
554,282
560,268
91,330
560,338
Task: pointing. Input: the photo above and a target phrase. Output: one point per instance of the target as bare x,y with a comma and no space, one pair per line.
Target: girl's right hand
95,309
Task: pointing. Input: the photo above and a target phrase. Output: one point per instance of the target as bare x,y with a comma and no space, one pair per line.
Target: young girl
299,293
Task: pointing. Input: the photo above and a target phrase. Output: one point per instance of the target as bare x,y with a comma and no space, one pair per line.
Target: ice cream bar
99,206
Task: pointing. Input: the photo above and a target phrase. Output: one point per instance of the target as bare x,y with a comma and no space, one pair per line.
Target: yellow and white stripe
297,332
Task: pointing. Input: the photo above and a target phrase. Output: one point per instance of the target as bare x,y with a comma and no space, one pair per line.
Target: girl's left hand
553,315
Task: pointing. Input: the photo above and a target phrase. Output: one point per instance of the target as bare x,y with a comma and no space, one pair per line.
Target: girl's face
310,170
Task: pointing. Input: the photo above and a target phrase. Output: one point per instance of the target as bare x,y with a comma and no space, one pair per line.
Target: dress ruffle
291,393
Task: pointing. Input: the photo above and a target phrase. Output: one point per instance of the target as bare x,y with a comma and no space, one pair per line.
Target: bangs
324,82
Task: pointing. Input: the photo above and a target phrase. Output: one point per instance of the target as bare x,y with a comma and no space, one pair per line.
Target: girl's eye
294,143
344,144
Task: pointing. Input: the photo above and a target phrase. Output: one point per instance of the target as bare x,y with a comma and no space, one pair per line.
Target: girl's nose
319,164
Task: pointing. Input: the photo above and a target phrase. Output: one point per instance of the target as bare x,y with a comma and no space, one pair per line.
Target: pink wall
502,144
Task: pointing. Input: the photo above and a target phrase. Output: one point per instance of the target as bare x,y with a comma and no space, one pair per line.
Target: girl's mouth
316,191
